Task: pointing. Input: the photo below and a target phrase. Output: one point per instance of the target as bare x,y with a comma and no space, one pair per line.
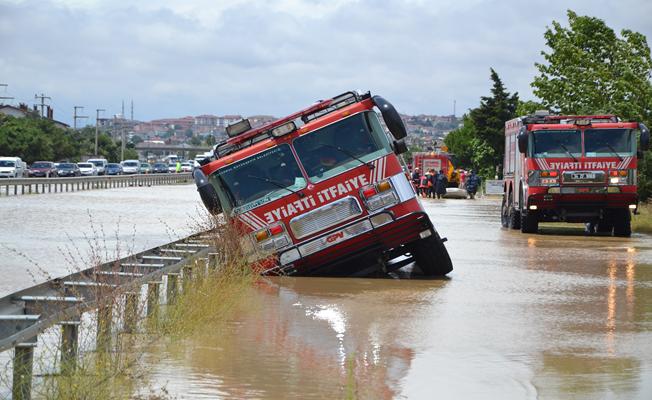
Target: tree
489,122
459,143
589,69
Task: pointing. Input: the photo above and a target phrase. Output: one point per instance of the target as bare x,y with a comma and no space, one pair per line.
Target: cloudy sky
184,57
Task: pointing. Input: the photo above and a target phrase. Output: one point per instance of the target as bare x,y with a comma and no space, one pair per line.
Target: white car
87,169
100,164
172,168
12,167
130,167
187,166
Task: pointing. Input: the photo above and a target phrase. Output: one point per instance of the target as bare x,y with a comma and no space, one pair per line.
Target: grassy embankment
642,222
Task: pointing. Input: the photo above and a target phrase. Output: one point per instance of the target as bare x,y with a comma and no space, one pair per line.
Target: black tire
604,227
514,220
622,223
530,222
504,213
431,255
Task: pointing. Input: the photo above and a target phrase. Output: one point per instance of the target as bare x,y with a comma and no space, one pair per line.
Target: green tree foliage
489,122
34,139
590,69
528,107
459,143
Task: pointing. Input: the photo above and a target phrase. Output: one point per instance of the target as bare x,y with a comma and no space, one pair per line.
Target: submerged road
548,316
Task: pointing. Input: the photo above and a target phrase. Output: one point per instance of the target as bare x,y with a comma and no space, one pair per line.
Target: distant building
23,111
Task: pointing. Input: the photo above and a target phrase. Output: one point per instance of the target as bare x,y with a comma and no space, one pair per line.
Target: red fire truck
439,161
572,169
323,191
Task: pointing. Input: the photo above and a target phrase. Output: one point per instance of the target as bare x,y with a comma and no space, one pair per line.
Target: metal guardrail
20,186
27,313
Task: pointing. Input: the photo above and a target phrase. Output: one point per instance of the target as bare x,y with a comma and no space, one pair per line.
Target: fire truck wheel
622,223
530,222
431,256
504,214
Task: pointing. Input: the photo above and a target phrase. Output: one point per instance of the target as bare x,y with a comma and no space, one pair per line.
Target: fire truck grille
584,177
325,217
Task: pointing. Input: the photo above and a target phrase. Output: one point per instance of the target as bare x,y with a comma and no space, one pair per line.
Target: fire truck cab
323,192
571,169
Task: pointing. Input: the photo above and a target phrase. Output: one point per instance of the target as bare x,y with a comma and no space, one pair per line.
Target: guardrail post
104,319
131,311
152,297
69,340
173,287
187,276
23,364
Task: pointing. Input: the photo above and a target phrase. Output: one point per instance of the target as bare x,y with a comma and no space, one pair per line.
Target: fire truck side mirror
400,147
392,118
522,141
645,137
207,192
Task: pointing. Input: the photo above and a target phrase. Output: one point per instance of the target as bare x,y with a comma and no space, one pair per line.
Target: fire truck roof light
238,128
284,129
582,122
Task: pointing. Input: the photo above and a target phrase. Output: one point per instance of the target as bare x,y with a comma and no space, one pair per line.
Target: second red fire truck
323,191
572,169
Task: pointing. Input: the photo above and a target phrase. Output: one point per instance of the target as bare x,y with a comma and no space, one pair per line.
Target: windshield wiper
614,151
277,184
568,152
338,148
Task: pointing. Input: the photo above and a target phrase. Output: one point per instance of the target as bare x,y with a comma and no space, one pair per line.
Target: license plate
583,175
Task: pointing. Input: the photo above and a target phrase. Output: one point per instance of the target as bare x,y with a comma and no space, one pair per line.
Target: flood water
50,235
551,316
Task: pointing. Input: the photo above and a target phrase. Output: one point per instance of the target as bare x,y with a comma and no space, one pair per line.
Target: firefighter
416,178
472,184
441,183
423,185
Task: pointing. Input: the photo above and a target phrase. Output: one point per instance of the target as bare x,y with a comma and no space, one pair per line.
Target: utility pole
97,119
75,117
4,97
42,97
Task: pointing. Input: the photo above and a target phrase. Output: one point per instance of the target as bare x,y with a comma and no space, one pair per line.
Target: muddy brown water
556,315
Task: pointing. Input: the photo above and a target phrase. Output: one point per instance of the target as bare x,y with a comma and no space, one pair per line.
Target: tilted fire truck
572,169
323,191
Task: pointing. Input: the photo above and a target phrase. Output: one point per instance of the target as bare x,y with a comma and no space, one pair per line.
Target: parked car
12,167
87,169
100,164
42,169
187,166
68,169
130,166
172,168
145,168
160,168
113,169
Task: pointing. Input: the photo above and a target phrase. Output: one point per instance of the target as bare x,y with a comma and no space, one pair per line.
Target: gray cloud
247,57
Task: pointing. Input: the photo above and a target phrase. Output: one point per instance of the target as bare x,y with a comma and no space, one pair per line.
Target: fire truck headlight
381,219
632,206
289,256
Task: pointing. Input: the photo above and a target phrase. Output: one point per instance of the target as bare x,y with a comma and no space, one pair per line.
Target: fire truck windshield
258,179
608,142
565,143
341,146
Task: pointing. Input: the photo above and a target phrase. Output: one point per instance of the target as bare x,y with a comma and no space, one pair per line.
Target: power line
42,97
97,119
75,117
11,98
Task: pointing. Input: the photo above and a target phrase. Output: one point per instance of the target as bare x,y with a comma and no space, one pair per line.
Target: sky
175,58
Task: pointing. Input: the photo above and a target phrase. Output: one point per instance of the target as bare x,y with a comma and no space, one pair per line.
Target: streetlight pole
97,119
